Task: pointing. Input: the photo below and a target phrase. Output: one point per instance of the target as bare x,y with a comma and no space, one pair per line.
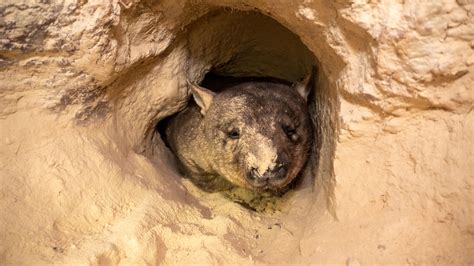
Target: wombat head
258,133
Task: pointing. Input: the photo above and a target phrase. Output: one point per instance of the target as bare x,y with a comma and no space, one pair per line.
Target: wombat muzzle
271,177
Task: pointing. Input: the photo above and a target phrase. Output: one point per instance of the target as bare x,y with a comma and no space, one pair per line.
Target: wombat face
258,133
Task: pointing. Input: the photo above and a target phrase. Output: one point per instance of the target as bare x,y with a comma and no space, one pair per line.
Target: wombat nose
278,172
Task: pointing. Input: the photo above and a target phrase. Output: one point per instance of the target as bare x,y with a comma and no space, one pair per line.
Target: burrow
230,43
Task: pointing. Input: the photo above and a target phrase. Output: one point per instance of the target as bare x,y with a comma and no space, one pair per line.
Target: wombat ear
202,96
304,86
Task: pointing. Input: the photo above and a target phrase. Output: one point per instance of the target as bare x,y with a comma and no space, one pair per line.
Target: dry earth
84,179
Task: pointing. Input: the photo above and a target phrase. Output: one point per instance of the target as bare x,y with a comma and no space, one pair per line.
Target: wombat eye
290,133
234,134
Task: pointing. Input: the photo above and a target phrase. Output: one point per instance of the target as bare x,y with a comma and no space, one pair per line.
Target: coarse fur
255,135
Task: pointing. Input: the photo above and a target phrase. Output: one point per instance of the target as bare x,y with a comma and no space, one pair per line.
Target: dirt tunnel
225,45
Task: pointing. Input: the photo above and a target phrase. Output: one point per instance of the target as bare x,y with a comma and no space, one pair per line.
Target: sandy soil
84,179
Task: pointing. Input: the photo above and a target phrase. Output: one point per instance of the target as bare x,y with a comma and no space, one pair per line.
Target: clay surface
84,178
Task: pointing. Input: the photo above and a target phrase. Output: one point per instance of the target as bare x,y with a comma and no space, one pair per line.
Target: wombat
254,135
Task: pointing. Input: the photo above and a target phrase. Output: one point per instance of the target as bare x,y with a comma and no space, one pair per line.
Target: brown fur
274,139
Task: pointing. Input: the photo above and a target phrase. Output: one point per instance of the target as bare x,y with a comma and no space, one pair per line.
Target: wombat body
255,135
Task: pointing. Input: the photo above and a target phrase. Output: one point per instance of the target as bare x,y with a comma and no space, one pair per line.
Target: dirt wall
83,179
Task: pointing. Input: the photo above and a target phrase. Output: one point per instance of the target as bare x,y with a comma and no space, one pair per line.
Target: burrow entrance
227,45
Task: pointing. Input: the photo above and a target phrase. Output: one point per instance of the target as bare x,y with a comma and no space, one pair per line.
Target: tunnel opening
227,47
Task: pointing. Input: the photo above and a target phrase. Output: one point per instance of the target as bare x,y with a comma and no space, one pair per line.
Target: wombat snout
276,173
270,176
